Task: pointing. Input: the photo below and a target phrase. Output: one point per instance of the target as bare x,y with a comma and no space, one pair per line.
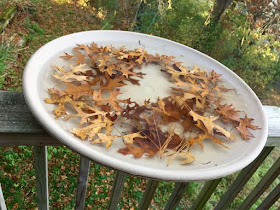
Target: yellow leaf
189,158
91,130
129,137
103,138
210,125
70,76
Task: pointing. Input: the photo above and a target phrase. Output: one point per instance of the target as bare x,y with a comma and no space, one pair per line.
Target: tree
219,7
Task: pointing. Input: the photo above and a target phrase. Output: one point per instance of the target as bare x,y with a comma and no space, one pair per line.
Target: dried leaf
78,91
111,83
103,138
189,158
73,75
210,125
244,124
129,137
136,151
85,112
66,56
227,112
92,93
112,100
91,130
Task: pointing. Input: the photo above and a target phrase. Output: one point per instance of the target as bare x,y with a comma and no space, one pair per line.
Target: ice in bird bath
154,85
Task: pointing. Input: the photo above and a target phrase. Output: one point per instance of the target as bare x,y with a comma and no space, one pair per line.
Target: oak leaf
60,110
133,81
127,71
94,48
219,89
112,99
214,77
73,75
108,68
176,74
86,48
227,112
104,60
201,137
189,158
142,146
86,112
148,145
187,123
161,107
210,125
129,137
103,138
244,124
136,151
111,83
67,56
78,91
91,130
80,58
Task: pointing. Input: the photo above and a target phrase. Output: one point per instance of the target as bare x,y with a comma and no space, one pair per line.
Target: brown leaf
161,107
86,48
112,83
94,48
187,123
136,151
60,110
80,58
210,125
127,71
91,130
189,158
133,81
227,112
149,148
85,112
129,137
78,91
108,70
244,124
73,75
201,137
214,77
66,56
175,141
103,138
112,100
176,73
167,111
134,112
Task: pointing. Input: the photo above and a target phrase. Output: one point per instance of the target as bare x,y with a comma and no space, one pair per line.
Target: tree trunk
219,7
7,16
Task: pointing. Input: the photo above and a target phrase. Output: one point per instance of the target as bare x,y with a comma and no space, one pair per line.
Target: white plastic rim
213,162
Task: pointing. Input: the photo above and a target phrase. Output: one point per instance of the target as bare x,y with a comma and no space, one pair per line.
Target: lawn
249,52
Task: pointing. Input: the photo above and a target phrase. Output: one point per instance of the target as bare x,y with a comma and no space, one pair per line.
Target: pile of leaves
92,87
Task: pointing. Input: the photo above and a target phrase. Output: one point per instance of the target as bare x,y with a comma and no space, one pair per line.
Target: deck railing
18,127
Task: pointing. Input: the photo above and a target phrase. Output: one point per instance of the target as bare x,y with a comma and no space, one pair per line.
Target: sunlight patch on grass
63,1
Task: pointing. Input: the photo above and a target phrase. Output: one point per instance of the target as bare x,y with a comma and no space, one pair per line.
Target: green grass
183,23
17,177
6,58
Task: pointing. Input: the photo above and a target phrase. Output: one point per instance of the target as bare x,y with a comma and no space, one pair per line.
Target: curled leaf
210,125
129,137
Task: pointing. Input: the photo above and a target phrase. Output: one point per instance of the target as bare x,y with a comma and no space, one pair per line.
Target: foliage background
246,39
